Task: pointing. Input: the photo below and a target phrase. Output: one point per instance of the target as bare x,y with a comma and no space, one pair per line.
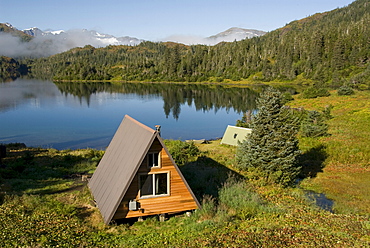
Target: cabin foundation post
162,217
2,153
84,178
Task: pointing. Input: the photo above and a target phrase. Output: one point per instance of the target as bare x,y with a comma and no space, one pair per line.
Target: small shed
137,176
234,135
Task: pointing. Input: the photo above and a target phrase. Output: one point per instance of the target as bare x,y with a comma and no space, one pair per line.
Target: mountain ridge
231,34
45,43
104,38
242,32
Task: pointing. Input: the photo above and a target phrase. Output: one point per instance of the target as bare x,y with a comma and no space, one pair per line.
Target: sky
157,19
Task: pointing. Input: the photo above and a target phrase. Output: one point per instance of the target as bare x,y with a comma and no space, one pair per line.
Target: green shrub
208,209
94,155
16,146
327,112
182,151
314,92
345,90
314,125
287,97
239,200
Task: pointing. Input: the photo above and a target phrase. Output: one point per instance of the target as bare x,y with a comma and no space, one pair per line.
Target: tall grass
239,214
346,170
236,201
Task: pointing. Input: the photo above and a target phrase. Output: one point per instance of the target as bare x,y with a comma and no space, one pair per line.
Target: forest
330,47
9,68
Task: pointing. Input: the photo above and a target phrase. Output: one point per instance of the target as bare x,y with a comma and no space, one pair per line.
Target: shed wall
235,135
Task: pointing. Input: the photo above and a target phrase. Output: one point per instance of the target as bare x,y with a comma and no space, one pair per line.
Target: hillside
330,47
9,29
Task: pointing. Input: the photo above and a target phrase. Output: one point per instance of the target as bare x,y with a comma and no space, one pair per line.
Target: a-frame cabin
137,176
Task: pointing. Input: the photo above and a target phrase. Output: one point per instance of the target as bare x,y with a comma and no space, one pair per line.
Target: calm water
80,115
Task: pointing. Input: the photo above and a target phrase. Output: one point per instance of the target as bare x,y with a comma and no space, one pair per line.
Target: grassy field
45,203
346,174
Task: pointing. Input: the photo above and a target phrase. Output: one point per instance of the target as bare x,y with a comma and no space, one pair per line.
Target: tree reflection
205,97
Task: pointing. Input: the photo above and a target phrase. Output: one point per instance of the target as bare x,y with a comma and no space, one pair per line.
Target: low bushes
239,200
182,152
314,92
35,221
314,125
236,200
345,90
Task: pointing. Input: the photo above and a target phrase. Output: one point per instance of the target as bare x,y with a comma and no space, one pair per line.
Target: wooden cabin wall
179,199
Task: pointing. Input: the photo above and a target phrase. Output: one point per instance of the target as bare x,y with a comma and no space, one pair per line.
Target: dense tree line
328,47
9,68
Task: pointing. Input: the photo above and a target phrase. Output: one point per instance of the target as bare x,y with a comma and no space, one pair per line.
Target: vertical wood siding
179,199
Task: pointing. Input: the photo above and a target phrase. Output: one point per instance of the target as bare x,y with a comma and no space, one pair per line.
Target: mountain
37,43
33,32
45,43
236,34
230,35
7,28
95,38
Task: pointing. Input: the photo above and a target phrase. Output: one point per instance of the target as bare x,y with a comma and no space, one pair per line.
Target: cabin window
154,184
154,159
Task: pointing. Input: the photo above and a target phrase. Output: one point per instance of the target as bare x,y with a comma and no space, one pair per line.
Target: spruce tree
271,150
314,125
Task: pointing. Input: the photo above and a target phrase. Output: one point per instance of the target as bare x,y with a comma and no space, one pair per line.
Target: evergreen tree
314,125
271,150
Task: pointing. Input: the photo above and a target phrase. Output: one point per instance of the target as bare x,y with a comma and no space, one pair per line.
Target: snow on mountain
57,32
90,36
33,31
229,35
49,42
236,34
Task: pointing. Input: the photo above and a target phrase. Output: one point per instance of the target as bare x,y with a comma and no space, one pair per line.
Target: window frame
153,195
152,154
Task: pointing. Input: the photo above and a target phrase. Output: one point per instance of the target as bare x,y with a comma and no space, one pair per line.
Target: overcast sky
157,19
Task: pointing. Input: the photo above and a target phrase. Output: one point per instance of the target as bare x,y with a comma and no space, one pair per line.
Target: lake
80,115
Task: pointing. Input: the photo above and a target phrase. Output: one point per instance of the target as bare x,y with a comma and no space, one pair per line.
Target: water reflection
204,97
22,92
320,200
79,115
